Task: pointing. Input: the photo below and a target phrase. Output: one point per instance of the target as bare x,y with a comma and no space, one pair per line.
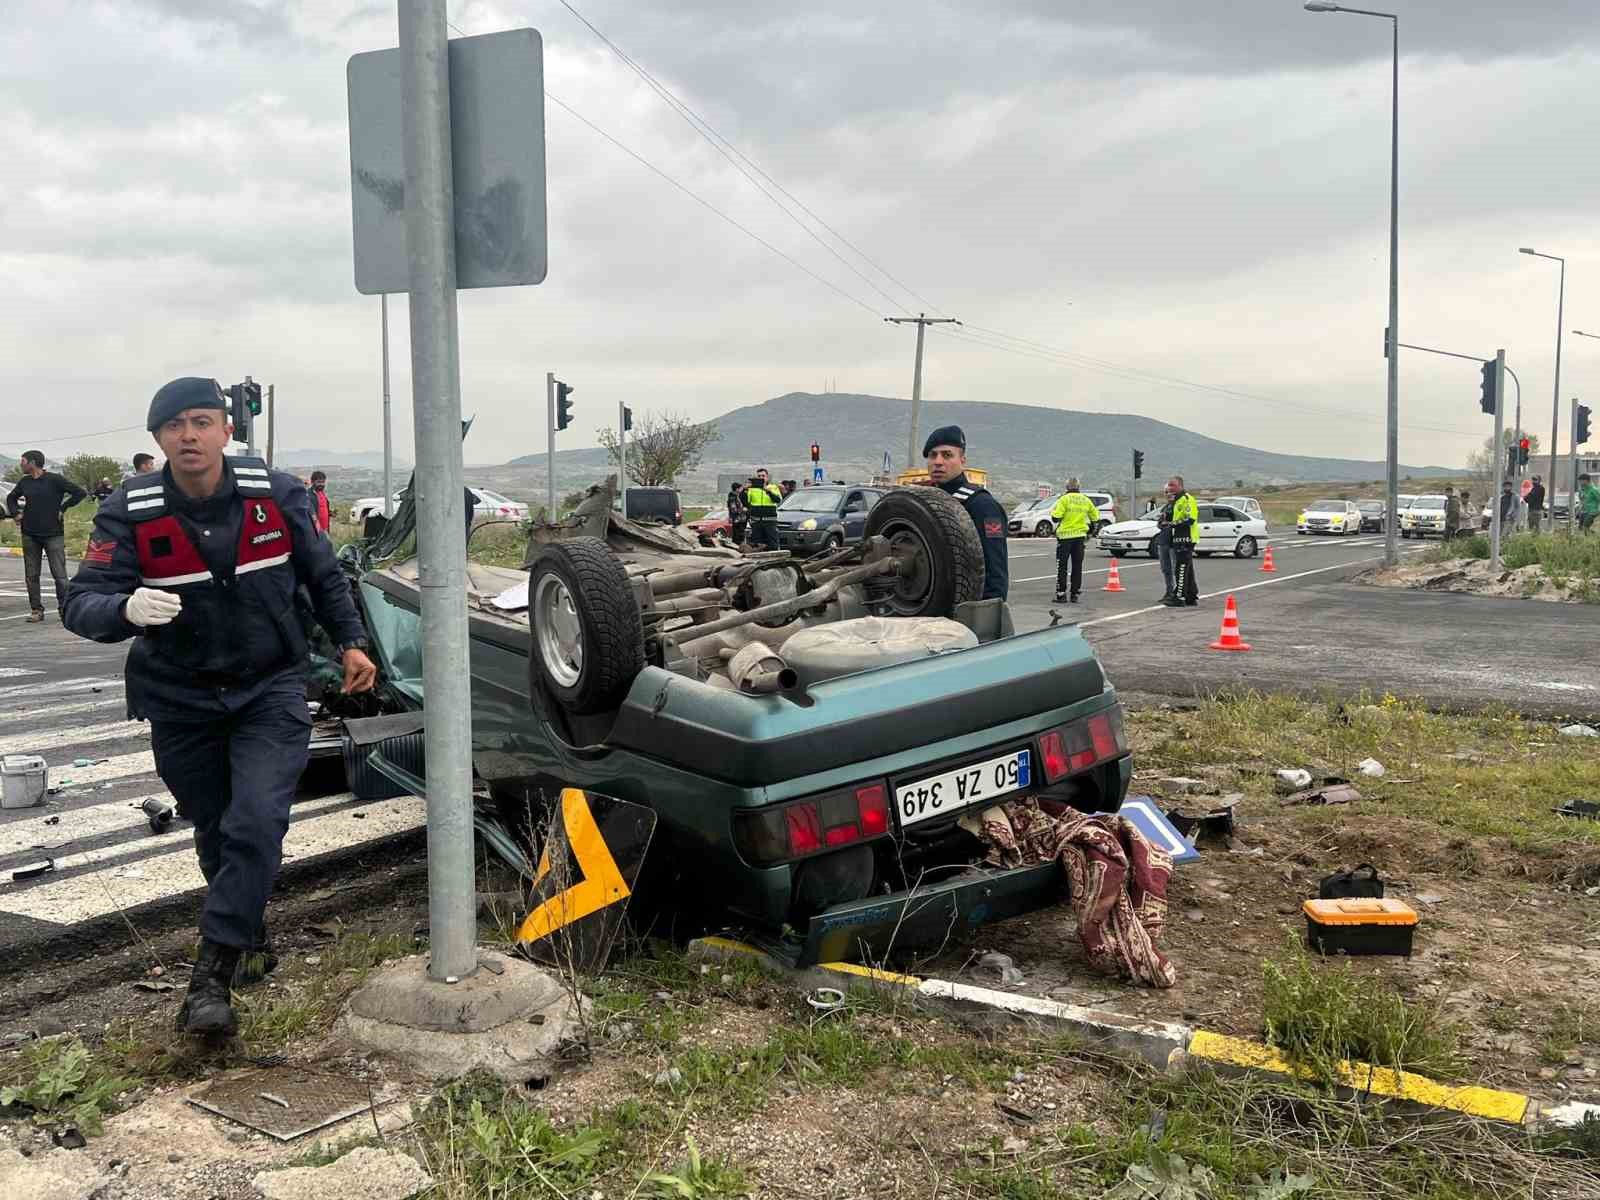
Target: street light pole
1391,544
1555,404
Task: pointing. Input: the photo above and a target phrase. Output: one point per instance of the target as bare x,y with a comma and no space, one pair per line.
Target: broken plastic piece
33,872
1370,767
1587,809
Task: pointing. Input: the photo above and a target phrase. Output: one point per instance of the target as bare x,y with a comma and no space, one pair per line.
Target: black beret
182,394
945,435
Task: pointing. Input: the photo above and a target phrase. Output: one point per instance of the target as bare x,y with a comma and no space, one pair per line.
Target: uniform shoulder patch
994,528
98,553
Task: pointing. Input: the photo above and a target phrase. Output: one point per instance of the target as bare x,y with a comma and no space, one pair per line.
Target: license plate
940,795
1113,545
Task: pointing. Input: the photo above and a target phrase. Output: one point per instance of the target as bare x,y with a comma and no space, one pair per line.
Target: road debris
1292,779
1332,791
155,985
1361,882
1371,767
160,813
1216,822
1587,809
33,872
670,1078
827,999
271,1099
369,1172
1003,967
1579,731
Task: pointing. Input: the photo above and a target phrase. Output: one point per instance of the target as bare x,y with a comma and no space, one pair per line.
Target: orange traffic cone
1113,580
1229,638
1266,561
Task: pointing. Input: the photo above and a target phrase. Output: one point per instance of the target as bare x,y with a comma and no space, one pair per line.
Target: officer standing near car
761,500
1184,526
200,564
946,455
1075,515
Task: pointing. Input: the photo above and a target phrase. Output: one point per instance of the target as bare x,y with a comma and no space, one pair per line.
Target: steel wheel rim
558,630
912,588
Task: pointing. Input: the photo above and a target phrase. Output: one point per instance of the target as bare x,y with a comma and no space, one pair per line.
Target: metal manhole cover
283,1102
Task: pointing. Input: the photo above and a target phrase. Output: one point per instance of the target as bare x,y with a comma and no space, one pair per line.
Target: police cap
182,394
945,435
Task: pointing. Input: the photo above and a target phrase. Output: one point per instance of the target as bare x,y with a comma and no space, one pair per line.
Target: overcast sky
1191,190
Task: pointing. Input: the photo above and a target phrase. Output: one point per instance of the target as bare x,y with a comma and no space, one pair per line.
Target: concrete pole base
511,1023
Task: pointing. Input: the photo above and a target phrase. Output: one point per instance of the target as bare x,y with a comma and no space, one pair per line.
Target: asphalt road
1314,632
63,699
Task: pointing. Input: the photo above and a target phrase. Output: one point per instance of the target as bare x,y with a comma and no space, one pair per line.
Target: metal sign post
388,436
441,540
1499,457
622,456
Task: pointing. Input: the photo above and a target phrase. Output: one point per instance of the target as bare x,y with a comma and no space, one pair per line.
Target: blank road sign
497,151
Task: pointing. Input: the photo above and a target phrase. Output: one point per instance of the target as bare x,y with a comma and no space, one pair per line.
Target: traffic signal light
563,405
1522,452
816,452
627,415
1581,434
238,412
1488,401
252,397
1138,464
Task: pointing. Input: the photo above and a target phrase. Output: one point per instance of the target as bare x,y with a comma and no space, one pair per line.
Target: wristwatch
360,644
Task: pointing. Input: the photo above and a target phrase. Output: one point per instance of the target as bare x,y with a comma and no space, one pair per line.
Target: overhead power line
69,437
750,169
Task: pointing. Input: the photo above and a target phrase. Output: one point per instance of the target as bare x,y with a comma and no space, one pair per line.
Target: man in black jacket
1535,502
200,564
37,503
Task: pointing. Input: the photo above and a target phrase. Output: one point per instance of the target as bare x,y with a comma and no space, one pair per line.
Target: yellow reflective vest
756,496
1185,516
1074,515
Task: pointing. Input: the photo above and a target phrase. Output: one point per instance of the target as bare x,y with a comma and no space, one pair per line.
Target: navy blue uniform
990,521
223,685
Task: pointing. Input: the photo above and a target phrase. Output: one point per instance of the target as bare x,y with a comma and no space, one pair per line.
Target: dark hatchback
822,518
1373,514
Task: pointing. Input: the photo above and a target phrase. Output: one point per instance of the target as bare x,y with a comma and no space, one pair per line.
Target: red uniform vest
168,559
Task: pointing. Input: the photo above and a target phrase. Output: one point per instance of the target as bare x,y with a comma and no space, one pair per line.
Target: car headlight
809,523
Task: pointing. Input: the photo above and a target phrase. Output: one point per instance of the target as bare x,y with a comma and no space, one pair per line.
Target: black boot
207,1008
256,963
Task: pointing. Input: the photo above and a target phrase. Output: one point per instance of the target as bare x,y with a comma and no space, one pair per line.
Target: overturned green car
807,732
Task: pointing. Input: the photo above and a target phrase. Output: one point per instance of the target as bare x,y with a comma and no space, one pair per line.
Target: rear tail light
814,825
1082,745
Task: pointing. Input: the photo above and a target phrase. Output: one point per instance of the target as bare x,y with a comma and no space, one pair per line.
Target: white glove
151,606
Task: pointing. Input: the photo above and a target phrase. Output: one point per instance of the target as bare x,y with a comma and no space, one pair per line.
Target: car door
854,515
1228,527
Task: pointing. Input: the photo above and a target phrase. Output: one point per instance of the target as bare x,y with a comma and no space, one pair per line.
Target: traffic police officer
946,454
1075,515
761,499
1184,525
200,564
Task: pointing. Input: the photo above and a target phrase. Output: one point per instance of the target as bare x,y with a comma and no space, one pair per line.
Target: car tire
587,642
1152,549
932,528
1405,533
1043,529
1116,553
1245,547
834,541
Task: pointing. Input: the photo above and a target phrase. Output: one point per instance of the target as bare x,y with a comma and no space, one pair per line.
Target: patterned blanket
1117,880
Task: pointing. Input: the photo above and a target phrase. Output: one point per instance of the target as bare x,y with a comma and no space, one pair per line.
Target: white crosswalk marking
73,735
64,687
115,886
76,825
119,766
54,712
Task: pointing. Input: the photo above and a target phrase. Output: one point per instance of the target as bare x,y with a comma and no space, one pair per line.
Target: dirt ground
1473,576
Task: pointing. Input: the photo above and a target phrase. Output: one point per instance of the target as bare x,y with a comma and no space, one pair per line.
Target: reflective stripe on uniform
137,504
173,580
276,560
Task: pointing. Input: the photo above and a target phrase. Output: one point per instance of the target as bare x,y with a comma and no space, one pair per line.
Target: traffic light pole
1499,458
1572,462
250,431
622,456
550,442
272,414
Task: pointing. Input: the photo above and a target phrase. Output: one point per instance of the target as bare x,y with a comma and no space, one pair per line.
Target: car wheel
834,542
1043,529
1116,553
587,642
1152,550
1405,533
1246,547
931,532
1299,533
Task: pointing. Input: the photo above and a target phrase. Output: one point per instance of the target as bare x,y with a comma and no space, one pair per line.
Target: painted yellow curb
10,552
1483,1102
870,973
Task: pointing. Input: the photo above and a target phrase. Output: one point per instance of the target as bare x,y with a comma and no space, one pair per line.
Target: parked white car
1248,505
1329,516
1223,530
1423,517
1035,520
488,506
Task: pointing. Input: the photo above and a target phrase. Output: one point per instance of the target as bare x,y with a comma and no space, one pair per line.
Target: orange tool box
1360,925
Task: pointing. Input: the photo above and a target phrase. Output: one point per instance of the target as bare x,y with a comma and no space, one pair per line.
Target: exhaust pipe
759,670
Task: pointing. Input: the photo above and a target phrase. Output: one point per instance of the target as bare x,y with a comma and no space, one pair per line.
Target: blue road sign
816,474
1153,823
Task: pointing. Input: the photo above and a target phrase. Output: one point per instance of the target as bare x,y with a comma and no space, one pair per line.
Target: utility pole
921,321
550,442
441,535
1499,458
272,412
388,437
